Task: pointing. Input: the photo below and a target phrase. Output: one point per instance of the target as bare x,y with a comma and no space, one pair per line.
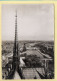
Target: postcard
28,40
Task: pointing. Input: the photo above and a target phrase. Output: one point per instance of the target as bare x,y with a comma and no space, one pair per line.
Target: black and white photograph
27,41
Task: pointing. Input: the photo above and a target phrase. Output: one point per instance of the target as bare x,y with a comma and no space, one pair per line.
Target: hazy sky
35,21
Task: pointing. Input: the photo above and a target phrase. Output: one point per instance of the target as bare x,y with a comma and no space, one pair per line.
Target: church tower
16,57
16,54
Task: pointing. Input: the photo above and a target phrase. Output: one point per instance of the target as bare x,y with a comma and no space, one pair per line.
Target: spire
16,27
15,49
16,56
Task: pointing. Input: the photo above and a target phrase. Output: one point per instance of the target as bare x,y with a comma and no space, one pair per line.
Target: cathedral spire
15,49
16,27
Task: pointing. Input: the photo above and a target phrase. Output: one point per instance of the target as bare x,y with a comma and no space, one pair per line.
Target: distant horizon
28,40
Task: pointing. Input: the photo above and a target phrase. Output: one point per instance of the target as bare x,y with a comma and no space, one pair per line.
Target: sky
34,21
